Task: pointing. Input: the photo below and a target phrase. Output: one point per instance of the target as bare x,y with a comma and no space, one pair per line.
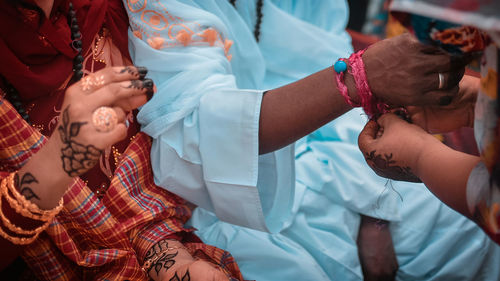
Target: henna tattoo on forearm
384,166
185,277
163,258
24,186
77,158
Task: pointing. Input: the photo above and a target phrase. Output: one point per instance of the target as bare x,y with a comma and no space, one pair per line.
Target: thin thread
388,186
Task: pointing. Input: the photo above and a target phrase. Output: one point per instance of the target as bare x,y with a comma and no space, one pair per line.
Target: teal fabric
293,214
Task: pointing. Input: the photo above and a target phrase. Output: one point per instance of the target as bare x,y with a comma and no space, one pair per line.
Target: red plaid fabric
104,239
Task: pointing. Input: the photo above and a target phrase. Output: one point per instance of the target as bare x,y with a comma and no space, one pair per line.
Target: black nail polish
142,71
446,100
149,94
148,83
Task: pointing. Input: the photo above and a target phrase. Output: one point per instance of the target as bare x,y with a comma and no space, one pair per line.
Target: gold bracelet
148,263
18,230
24,206
18,240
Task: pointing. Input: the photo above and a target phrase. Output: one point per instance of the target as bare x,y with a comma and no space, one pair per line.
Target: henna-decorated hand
80,142
76,144
170,261
391,147
442,119
401,71
197,270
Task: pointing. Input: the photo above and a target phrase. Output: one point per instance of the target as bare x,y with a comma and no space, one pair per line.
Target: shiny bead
78,66
76,35
340,66
75,28
78,74
76,44
78,59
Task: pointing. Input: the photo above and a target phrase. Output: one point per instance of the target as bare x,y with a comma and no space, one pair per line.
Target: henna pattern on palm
185,277
384,166
24,185
77,158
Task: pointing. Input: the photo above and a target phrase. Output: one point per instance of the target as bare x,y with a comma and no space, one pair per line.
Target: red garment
36,49
104,239
92,237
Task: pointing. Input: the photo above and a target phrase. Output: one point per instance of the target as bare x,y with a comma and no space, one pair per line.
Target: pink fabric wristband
370,104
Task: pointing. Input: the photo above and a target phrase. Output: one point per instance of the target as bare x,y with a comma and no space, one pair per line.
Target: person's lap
432,242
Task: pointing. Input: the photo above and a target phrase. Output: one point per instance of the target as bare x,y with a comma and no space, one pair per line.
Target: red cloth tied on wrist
370,104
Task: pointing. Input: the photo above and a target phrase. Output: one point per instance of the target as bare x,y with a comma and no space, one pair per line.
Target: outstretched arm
400,72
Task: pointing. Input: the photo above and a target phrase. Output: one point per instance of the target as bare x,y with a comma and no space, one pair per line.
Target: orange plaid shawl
104,239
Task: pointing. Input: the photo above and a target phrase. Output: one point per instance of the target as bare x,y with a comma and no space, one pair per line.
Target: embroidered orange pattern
160,29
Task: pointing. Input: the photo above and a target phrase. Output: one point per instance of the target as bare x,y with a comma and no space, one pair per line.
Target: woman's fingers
120,114
418,116
120,93
110,75
439,98
118,133
389,119
132,102
368,135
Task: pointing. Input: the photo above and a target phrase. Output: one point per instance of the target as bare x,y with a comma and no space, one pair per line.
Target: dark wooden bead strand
256,31
76,36
258,12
